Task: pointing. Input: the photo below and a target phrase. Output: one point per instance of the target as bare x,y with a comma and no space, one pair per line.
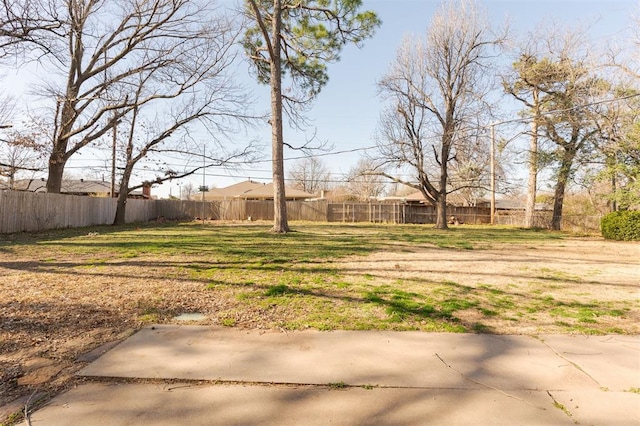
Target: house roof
68,186
453,199
415,196
239,188
211,194
32,185
501,203
266,192
231,191
86,186
249,189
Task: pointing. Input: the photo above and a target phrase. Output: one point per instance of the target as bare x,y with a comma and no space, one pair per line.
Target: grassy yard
65,292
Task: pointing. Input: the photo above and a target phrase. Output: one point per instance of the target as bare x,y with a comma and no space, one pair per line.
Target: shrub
623,225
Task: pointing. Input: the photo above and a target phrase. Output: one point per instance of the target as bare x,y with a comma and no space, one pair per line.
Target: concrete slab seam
477,382
569,361
561,407
117,380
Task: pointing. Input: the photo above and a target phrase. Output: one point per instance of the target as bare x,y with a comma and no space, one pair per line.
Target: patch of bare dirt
53,312
571,272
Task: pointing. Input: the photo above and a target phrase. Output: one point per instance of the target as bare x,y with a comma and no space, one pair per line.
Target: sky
346,112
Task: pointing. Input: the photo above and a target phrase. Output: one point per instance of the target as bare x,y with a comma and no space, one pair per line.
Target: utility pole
203,188
492,166
114,134
113,159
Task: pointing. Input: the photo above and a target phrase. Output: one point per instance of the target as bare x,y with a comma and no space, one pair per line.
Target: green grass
337,385
585,312
295,275
261,248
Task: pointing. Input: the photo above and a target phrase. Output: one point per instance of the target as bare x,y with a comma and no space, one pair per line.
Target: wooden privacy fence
401,213
323,211
28,211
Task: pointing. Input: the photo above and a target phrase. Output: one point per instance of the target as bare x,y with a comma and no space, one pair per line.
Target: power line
105,168
558,111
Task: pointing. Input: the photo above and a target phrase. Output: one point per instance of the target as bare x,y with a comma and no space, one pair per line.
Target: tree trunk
280,224
556,221
121,207
441,212
561,186
441,200
611,165
64,119
530,208
56,171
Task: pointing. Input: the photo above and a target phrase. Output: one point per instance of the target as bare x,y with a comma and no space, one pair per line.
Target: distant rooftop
69,186
250,190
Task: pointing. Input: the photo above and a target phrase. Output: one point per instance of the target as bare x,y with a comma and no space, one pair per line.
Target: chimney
146,190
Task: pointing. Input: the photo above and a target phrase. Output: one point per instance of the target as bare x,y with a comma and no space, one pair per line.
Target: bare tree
28,25
437,89
187,92
470,170
99,52
298,38
7,110
187,191
626,57
365,181
20,151
310,175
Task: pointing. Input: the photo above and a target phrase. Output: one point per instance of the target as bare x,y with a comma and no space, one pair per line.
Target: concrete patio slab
595,407
595,354
173,374
407,359
102,404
